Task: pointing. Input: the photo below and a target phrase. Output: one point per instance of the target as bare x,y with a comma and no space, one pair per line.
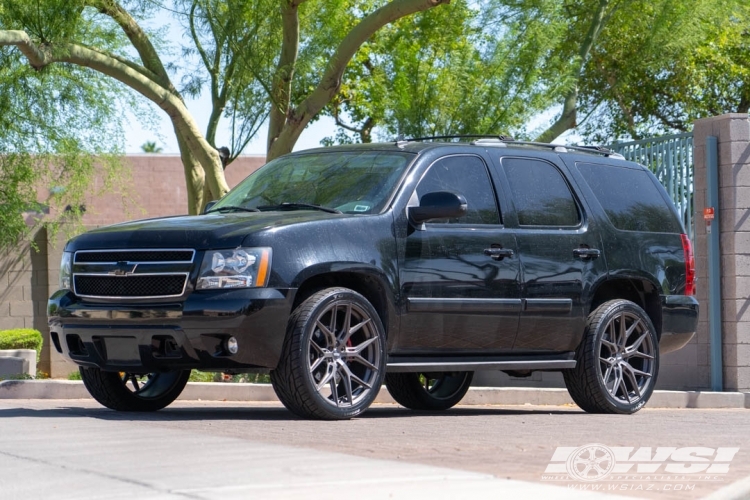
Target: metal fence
670,158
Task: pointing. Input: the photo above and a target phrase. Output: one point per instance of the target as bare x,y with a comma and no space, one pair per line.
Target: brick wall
28,276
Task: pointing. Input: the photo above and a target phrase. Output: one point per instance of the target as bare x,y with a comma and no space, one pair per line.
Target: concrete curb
211,391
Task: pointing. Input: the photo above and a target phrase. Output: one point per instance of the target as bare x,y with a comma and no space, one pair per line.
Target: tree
59,32
151,147
287,120
55,124
461,69
690,61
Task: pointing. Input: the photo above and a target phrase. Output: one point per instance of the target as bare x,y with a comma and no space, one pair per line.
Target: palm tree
150,147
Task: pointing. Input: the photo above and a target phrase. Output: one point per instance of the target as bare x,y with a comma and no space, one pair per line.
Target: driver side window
467,176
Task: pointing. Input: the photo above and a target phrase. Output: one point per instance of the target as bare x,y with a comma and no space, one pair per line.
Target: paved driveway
76,449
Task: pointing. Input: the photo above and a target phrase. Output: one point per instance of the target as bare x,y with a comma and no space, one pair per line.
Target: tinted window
630,198
468,176
357,182
540,194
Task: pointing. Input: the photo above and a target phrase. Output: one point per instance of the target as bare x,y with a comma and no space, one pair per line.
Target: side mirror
438,205
209,205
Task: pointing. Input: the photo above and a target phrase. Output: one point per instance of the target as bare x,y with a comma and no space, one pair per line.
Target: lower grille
167,285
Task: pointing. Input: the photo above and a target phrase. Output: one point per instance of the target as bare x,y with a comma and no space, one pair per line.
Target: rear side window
540,194
630,198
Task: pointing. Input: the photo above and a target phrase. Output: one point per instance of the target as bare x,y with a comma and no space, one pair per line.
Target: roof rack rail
467,136
560,148
505,140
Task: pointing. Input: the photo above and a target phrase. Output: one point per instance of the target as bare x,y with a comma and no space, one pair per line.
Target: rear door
460,277
560,253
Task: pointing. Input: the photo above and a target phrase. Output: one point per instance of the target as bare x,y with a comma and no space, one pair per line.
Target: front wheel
123,391
617,361
428,391
333,358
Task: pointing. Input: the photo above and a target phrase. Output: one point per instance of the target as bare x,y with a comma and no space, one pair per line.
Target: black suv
413,263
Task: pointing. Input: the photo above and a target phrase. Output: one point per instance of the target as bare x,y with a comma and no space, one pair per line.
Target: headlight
236,268
65,270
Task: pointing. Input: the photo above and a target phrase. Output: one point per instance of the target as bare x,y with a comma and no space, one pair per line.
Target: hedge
21,338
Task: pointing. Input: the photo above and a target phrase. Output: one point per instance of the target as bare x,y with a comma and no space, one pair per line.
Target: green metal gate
670,158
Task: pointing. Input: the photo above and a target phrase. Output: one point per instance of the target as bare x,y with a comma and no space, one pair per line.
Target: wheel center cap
336,354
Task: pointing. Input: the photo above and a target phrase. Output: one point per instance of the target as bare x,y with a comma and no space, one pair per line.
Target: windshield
352,182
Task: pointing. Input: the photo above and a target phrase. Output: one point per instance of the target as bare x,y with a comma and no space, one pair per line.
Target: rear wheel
123,391
428,391
333,358
617,361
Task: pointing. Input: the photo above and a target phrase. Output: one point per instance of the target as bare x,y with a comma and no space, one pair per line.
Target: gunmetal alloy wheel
333,358
125,391
617,361
428,391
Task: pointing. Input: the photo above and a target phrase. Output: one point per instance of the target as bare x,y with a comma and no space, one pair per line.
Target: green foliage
76,375
57,123
151,147
250,378
674,62
21,338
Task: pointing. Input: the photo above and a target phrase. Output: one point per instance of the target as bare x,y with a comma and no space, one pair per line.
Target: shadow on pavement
261,414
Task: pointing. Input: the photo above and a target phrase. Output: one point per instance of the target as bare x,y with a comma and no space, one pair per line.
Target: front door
460,277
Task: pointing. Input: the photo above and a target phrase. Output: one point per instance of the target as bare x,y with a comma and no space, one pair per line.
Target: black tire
319,374
134,392
617,360
428,391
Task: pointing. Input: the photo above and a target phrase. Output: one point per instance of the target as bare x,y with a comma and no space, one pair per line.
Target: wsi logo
595,462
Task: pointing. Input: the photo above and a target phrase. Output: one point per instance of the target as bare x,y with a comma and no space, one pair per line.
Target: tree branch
140,40
567,119
330,83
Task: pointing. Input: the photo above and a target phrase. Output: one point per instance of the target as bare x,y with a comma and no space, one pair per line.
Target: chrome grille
134,256
132,274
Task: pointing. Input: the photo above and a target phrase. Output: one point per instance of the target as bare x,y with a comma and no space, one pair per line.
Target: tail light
687,248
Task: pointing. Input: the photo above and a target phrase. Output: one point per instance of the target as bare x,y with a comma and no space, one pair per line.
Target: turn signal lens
687,248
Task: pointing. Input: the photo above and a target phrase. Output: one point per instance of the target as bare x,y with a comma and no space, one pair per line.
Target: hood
200,232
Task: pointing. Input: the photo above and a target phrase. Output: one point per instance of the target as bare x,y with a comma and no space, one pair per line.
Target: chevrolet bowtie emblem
123,269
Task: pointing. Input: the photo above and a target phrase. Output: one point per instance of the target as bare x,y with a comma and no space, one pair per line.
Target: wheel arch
369,282
637,289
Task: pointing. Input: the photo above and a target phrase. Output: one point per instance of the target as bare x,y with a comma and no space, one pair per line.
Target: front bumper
679,321
153,337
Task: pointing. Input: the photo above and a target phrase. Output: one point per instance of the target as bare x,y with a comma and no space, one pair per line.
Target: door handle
498,253
586,253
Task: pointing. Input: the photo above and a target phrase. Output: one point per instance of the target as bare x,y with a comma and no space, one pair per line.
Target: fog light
232,345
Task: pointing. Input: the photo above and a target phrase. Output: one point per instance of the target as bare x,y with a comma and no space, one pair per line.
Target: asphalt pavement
60,449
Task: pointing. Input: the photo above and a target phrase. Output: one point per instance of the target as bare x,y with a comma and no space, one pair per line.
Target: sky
136,135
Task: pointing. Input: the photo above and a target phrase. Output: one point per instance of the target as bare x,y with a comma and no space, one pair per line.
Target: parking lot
76,449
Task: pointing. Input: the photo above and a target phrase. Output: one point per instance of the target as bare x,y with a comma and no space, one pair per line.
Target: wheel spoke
636,371
358,358
345,330
330,337
329,375
134,381
346,377
635,345
317,363
623,336
634,383
632,328
612,346
332,323
624,387
334,387
638,354
364,344
607,375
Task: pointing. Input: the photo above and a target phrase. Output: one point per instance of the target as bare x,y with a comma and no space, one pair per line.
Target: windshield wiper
297,206
233,208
